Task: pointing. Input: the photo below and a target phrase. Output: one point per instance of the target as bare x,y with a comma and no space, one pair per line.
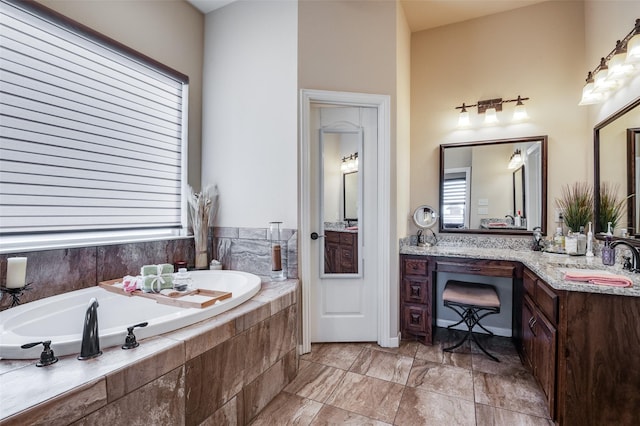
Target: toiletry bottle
559,240
590,242
609,230
608,253
582,242
518,220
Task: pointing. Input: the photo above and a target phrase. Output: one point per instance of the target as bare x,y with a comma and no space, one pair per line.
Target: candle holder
277,271
15,293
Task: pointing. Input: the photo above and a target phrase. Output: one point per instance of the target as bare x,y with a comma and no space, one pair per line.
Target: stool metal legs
471,316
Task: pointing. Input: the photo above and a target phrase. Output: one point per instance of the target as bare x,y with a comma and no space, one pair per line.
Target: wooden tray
197,298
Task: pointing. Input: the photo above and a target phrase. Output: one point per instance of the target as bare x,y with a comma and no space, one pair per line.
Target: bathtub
60,318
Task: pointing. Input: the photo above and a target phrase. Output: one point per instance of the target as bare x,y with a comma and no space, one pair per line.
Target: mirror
341,198
350,197
616,143
425,217
518,192
483,185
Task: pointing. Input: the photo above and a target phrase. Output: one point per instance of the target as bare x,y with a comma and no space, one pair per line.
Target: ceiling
423,14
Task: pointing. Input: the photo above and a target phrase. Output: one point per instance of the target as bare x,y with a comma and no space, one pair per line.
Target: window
93,135
455,199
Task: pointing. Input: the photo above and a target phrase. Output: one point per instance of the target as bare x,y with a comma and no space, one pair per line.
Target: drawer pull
415,318
415,291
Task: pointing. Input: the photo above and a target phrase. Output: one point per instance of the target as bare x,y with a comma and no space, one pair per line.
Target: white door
343,218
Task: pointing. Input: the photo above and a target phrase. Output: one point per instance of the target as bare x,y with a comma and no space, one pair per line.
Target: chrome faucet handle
47,357
130,341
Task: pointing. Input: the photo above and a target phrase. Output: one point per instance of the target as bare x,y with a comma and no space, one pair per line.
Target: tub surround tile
267,386
288,409
116,261
61,409
420,407
226,415
53,272
249,250
368,397
157,361
257,357
272,293
160,402
283,333
204,335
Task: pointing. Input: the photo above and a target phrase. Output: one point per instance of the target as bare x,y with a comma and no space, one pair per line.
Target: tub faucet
635,252
90,340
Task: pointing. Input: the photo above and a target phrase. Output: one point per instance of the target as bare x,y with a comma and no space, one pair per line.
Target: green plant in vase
610,206
576,203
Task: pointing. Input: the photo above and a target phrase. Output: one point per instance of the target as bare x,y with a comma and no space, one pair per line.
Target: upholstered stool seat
472,302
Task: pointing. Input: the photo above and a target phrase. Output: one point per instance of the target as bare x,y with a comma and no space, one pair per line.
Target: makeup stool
472,302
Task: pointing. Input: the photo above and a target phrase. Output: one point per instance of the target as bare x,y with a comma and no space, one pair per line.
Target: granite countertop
340,227
548,266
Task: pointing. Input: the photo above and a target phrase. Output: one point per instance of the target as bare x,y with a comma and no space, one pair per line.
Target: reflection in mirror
616,143
341,198
350,186
518,192
481,193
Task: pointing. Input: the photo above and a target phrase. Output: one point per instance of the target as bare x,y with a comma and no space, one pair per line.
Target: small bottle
571,243
582,242
558,240
608,253
182,280
590,242
518,220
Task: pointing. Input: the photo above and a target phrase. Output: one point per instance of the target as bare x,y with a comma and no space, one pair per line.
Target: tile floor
364,384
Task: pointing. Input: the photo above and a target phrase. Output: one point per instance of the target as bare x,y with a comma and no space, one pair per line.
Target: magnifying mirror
424,217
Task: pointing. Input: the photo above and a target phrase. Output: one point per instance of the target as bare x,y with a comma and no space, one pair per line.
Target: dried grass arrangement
577,204
203,207
610,206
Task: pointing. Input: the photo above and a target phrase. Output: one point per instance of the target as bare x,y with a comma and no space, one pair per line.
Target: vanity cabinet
340,252
539,334
416,296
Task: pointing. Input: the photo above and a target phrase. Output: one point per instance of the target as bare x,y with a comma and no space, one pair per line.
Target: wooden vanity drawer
416,290
542,295
547,301
490,269
414,266
416,318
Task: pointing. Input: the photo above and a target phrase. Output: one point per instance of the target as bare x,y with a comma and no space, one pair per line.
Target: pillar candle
16,272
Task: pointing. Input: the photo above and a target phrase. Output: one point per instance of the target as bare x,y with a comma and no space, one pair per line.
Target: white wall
249,112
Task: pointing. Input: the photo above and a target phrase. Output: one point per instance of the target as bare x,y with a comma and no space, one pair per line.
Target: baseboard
498,331
391,342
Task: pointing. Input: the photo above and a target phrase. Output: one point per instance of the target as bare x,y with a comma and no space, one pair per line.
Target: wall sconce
613,70
490,109
350,163
516,160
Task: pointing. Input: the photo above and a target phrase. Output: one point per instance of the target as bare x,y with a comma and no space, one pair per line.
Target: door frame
383,281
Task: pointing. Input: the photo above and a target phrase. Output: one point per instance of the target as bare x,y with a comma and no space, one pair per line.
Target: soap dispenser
608,253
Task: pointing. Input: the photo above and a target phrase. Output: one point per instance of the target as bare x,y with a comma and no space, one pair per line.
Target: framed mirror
616,165
340,186
483,185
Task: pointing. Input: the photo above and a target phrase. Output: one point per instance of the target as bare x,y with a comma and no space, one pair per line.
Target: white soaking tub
60,318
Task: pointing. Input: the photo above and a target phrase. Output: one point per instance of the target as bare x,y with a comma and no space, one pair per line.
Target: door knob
315,236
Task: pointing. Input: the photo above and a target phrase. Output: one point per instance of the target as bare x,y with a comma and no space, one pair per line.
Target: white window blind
93,138
454,196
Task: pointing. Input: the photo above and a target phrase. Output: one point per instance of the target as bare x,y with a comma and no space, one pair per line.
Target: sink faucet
635,252
513,220
90,340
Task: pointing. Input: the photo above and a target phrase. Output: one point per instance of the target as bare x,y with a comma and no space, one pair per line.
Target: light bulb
490,116
463,119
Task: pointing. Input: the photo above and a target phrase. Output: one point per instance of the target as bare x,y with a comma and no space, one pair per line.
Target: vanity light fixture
490,109
350,163
516,160
614,70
